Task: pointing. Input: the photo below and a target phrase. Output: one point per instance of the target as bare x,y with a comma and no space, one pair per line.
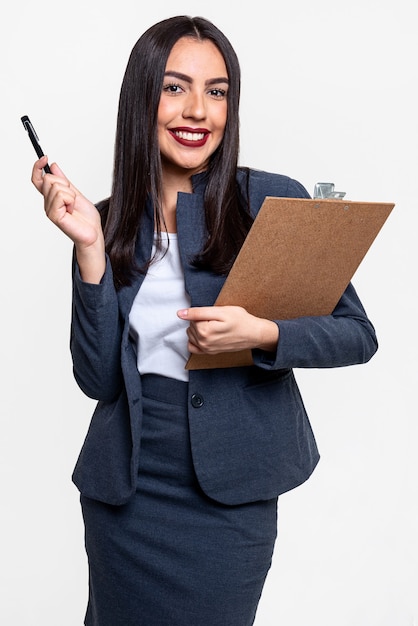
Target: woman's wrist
269,336
91,262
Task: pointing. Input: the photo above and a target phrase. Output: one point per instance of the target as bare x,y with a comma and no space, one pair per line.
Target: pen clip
28,126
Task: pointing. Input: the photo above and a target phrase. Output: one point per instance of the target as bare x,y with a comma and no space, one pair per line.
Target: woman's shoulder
260,182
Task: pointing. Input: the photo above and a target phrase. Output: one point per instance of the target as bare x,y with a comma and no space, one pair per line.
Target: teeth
189,136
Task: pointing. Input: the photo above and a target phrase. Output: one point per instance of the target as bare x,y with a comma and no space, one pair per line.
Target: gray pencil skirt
172,556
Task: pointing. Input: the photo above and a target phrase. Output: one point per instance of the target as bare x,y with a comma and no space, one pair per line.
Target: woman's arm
95,326
96,336
76,216
216,329
344,338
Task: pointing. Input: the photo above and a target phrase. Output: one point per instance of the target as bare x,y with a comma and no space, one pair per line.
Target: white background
329,94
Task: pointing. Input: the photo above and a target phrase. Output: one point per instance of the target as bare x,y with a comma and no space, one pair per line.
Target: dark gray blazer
250,434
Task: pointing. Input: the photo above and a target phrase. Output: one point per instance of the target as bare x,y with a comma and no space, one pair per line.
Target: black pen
34,139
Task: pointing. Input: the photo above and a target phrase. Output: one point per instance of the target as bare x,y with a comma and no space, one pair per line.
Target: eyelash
221,93
216,92
169,87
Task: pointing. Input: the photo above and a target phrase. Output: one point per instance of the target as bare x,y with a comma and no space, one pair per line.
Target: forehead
191,56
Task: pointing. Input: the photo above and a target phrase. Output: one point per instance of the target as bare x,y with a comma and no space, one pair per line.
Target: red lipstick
190,137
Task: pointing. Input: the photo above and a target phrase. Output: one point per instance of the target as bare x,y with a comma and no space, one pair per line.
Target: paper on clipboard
297,260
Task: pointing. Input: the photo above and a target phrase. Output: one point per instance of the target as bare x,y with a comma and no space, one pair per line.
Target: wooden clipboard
297,260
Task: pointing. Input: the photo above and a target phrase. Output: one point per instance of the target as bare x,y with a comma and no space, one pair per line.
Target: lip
190,137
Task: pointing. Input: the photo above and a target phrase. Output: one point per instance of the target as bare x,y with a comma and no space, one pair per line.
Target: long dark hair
137,172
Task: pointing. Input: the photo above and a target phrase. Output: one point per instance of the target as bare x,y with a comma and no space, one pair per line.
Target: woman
180,471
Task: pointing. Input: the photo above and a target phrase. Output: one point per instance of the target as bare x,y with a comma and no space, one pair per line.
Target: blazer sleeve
96,333
346,337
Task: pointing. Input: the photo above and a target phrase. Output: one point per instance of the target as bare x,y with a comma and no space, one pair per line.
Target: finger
59,202
193,341
201,313
38,177
57,171
38,174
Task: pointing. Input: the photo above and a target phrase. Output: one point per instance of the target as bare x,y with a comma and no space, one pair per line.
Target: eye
172,88
218,93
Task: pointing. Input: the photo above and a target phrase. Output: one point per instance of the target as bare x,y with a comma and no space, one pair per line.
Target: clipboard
297,260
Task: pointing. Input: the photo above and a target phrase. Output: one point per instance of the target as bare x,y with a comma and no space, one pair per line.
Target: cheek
163,119
167,111
220,118
160,115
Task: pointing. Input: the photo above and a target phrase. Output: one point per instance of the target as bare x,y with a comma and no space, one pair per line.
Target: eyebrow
187,79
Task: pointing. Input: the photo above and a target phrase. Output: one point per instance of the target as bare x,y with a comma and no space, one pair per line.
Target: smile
190,138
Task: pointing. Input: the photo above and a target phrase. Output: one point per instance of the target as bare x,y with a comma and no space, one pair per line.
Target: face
193,106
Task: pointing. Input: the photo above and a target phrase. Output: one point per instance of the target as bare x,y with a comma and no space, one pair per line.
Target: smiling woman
181,470
192,116
193,108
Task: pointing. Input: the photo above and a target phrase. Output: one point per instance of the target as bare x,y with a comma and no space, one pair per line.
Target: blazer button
197,401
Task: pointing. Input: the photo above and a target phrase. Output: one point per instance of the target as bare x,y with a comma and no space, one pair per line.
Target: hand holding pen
72,212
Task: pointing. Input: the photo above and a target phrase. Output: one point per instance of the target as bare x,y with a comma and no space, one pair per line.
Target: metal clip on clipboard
327,190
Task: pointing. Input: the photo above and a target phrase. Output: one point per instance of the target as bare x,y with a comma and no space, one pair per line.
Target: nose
195,106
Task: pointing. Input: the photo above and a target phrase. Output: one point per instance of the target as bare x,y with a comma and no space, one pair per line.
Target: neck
173,183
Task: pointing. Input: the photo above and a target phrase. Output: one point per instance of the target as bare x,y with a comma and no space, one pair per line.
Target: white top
160,336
